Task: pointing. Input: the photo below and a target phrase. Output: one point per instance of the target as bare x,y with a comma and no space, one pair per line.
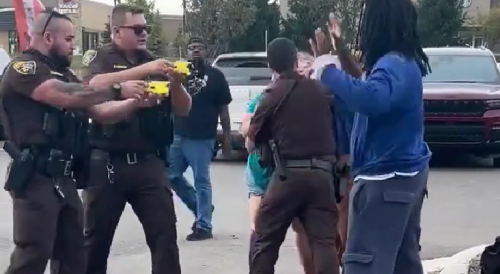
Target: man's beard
62,61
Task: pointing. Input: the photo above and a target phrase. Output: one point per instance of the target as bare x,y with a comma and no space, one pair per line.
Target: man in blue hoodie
390,157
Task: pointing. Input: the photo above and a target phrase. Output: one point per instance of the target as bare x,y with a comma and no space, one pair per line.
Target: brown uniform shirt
127,136
302,125
22,116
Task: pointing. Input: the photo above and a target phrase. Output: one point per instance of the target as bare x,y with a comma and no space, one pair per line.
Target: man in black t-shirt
195,138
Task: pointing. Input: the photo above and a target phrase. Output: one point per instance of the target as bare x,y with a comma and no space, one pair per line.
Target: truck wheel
496,162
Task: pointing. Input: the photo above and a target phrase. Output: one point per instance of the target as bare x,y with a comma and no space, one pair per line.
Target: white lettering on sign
68,8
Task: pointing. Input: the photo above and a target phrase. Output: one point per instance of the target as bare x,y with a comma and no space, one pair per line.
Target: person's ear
47,37
116,30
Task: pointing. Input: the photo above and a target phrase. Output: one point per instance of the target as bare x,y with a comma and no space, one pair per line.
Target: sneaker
199,235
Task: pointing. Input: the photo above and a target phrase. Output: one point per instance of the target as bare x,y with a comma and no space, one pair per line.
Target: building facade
89,18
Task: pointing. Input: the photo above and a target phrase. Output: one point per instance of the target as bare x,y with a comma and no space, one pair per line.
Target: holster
278,160
20,169
340,180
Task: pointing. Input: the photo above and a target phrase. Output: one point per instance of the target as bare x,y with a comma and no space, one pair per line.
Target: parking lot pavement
463,194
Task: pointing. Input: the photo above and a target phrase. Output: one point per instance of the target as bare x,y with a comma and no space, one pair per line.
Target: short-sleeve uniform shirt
22,116
127,134
201,123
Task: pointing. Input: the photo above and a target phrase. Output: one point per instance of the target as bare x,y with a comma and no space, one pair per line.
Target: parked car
462,102
247,74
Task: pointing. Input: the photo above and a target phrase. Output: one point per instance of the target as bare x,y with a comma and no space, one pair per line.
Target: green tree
180,43
218,21
156,39
440,21
348,12
267,21
305,17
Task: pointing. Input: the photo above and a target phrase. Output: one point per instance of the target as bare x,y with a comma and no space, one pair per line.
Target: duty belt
130,158
313,163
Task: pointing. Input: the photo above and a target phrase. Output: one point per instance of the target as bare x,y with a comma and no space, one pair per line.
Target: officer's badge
25,67
88,57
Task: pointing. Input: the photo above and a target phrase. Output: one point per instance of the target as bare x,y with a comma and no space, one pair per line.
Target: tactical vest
155,125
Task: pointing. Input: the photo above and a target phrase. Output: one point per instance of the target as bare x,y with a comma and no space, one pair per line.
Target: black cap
196,40
282,54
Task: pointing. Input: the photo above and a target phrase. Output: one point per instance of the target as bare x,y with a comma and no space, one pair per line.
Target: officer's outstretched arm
37,81
113,111
71,95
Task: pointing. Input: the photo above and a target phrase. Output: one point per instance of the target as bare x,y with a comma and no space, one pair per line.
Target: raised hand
334,30
322,45
159,66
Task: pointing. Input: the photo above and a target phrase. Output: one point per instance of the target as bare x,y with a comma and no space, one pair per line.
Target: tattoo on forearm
86,94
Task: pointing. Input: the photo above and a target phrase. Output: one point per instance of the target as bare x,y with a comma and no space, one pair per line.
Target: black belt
64,167
131,158
310,163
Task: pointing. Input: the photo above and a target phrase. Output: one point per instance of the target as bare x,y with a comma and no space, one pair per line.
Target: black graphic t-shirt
203,118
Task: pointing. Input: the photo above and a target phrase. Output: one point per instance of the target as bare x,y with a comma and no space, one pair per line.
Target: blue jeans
197,154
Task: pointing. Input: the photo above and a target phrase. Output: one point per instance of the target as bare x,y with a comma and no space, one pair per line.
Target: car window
247,71
463,69
242,62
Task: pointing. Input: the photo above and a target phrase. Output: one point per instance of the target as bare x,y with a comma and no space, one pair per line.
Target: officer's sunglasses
138,29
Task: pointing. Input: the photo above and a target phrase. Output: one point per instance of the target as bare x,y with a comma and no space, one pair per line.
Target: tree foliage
440,21
267,20
156,41
490,25
305,17
348,12
218,21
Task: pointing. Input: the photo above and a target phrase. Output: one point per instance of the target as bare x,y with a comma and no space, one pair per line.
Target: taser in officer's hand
158,87
183,67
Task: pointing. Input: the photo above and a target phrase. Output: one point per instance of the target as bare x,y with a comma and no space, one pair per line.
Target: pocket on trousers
399,197
30,221
357,258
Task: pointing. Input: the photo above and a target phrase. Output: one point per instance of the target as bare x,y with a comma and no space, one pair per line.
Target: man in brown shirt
128,156
295,114
43,108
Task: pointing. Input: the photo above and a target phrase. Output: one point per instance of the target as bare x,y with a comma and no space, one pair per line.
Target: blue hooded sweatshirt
388,128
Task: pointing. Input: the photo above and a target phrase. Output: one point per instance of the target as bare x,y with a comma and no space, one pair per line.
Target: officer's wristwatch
116,88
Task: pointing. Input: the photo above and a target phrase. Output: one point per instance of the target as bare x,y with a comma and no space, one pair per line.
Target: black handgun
21,167
278,163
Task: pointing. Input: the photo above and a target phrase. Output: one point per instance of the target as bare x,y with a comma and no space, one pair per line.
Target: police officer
127,159
42,108
293,117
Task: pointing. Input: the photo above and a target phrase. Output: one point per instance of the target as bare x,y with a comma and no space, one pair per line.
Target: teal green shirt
259,176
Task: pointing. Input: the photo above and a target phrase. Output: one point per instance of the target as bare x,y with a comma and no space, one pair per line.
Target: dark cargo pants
141,185
384,226
307,194
47,227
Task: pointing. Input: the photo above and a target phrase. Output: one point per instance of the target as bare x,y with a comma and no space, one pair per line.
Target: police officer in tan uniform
128,155
43,107
293,121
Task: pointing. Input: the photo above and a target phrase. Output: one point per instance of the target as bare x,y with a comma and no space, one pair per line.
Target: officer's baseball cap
281,54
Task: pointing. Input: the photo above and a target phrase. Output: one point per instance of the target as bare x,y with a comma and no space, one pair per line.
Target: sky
165,6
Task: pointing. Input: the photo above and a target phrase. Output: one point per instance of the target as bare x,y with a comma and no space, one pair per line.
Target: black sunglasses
138,30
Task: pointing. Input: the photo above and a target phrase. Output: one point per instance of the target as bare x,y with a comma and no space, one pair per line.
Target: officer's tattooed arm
71,95
113,111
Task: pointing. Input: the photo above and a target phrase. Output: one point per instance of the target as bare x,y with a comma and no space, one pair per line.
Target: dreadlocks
390,26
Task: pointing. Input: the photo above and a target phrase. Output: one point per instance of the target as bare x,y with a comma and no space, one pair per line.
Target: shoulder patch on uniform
88,57
25,67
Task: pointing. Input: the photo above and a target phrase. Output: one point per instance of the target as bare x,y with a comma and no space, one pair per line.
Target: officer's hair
44,22
282,55
119,13
391,26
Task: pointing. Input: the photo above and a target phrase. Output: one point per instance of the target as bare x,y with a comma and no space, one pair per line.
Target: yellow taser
159,87
183,67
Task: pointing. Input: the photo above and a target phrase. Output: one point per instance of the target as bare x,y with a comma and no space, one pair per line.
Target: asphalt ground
461,211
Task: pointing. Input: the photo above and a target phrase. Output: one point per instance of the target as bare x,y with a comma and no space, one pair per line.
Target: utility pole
184,23
117,2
